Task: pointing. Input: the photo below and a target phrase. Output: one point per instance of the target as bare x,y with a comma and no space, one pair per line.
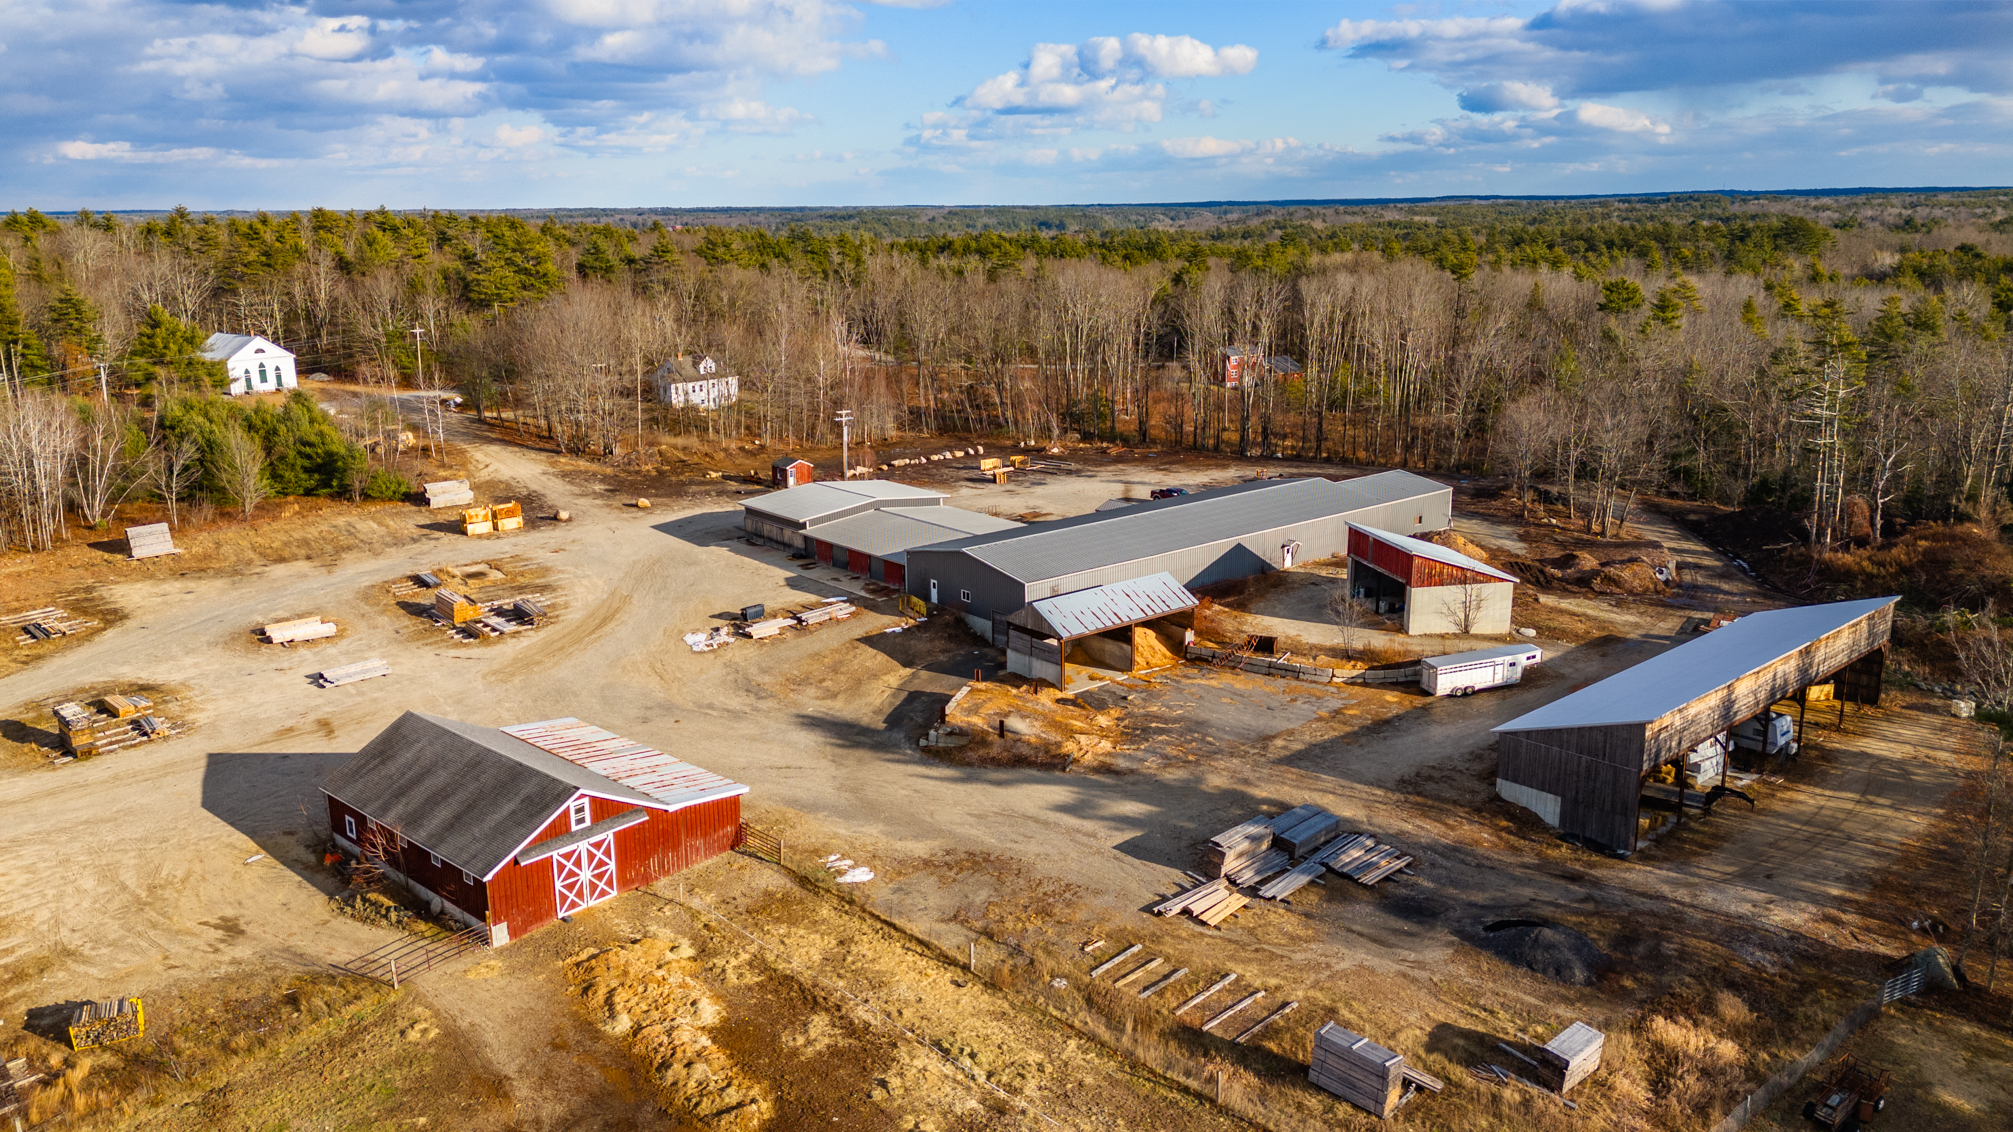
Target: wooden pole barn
1580,762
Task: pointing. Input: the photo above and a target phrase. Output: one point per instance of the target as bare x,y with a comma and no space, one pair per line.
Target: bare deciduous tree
242,466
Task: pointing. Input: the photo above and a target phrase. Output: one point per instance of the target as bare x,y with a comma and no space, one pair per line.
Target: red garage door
856,561
824,551
891,573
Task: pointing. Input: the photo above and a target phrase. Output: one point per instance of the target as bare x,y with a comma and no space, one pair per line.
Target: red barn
1437,590
518,826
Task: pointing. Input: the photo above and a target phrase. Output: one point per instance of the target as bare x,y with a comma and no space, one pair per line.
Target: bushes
386,486
305,454
1931,567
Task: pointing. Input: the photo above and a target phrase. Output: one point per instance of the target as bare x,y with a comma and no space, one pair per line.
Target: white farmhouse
256,365
696,382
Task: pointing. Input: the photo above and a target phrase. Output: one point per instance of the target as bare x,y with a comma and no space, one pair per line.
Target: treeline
1845,360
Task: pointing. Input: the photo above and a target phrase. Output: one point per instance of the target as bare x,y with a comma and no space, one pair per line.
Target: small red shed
789,471
515,827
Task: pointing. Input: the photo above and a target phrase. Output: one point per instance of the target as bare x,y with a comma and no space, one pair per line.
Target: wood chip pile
449,493
150,541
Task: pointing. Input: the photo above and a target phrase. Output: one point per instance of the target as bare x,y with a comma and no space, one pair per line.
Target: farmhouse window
433,858
581,816
467,877
349,826
964,595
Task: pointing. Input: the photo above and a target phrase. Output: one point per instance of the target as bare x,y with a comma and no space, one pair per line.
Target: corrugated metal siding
1390,559
892,573
1592,772
856,561
673,842
1108,606
824,551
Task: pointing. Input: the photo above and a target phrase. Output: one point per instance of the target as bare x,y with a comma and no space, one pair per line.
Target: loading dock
1581,762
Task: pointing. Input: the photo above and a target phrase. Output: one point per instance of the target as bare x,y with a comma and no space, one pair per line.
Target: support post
972,956
394,974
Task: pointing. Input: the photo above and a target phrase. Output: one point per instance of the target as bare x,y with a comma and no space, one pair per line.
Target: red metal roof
666,778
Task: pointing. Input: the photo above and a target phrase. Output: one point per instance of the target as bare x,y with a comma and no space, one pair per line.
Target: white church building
256,365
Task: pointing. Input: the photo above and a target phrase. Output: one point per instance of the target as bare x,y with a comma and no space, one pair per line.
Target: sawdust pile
1018,722
1631,574
1455,542
645,992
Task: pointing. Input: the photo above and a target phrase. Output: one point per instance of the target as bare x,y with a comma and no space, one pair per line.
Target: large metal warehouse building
780,518
1580,761
876,543
1209,536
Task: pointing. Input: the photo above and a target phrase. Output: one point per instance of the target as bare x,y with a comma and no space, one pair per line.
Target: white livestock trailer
1461,673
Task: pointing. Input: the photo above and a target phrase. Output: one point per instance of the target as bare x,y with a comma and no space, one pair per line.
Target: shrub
385,486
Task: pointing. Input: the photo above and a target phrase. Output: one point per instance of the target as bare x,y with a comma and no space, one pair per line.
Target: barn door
584,874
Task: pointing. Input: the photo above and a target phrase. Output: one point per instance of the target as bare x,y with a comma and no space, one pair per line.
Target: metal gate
584,874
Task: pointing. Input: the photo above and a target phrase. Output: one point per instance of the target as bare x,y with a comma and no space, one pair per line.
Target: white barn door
584,874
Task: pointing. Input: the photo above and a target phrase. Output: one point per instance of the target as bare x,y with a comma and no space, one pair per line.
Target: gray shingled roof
888,531
1127,534
471,794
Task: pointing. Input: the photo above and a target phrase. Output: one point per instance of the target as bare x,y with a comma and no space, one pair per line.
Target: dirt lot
211,867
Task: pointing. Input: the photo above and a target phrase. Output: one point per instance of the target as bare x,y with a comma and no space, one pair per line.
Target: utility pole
845,419
418,358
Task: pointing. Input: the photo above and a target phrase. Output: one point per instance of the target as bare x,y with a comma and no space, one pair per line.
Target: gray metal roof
888,531
1432,551
808,502
221,347
1109,606
472,794
1160,526
1668,681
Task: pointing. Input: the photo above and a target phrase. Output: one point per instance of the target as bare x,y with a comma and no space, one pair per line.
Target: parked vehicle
1854,1092
1168,492
1465,673
1770,733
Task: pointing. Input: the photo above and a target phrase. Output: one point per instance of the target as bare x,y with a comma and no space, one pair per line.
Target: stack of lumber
762,630
1208,891
305,629
449,493
1362,859
1245,843
509,516
1362,1072
44,624
453,608
150,541
1306,835
1571,1057
102,1023
1298,877
121,722
1259,867
819,614
351,673
529,609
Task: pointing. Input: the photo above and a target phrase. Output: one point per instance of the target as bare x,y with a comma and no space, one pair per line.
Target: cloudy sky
498,103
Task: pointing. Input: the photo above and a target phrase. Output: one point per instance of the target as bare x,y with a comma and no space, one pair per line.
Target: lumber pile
453,608
1259,867
120,721
1361,858
509,516
150,540
830,611
102,1023
1246,843
449,493
1571,1057
1364,1073
1211,902
304,629
763,630
351,673
1306,835
44,624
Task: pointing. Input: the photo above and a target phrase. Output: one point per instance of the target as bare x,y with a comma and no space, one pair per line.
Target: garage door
856,561
891,573
824,552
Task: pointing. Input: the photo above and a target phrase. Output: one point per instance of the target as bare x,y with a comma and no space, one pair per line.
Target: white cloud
124,152
1105,82
343,38
1616,118
1511,95
1206,147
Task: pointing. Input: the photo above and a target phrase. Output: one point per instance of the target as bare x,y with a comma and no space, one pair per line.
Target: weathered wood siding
1592,770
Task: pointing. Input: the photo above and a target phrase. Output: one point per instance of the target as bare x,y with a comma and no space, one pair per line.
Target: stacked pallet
819,614
304,629
150,541
509,516
121,722
102,1023
449,493
1306,835
1362,859
453,608
1571,1057
351,673
1364,1073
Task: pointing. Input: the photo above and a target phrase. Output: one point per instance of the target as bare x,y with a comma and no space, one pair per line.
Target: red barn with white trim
515,827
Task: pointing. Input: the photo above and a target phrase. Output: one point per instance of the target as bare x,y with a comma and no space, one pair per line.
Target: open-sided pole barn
1112,629
1580,761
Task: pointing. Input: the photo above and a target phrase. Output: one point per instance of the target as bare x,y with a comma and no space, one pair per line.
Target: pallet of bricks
449,493
121,722
1365,1074
95,1024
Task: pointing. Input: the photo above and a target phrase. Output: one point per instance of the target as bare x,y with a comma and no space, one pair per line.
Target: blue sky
548,103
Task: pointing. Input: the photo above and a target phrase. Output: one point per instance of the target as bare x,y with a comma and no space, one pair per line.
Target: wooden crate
1572,1056
102,1023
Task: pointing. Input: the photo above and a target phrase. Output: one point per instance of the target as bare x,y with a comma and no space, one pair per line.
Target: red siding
1413,570
1359,544
444,879
1391,560
891,573
824,551
856,561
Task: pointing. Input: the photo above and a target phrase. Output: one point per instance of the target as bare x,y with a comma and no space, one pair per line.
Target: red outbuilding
515,827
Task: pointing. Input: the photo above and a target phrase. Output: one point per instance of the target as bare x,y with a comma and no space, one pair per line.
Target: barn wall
412,866
772,531
1591,771
1437,609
